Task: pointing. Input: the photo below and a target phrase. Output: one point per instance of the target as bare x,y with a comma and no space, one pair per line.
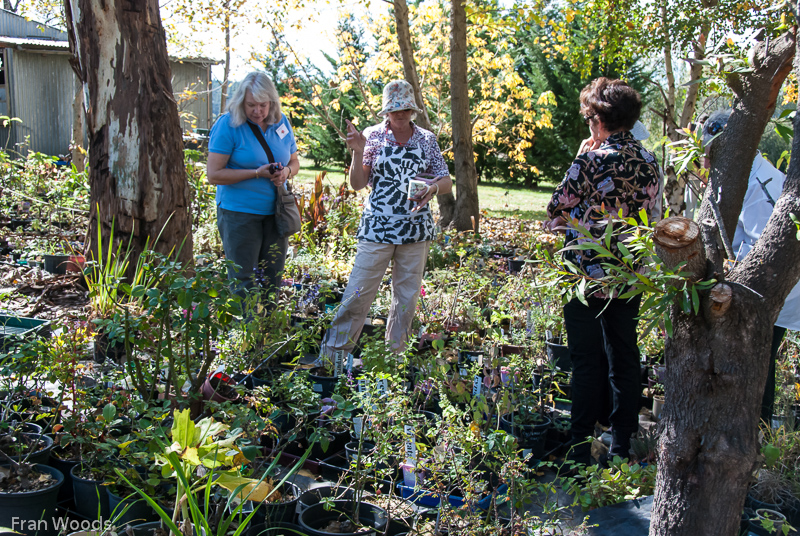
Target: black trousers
603,345
768,400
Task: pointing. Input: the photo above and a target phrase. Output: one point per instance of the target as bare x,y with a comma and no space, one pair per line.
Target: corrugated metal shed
194,101
38,85
40,91
12,25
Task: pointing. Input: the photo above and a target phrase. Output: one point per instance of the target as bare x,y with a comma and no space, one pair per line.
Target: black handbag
287,213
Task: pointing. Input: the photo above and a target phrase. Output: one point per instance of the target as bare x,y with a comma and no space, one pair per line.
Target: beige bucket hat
398,95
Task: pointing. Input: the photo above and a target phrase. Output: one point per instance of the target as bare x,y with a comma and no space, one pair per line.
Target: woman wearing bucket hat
396,224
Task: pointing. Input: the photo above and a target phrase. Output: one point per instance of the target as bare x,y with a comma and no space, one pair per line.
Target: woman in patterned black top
394,227
611,173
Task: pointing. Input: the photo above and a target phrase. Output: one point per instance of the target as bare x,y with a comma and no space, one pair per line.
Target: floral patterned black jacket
620,175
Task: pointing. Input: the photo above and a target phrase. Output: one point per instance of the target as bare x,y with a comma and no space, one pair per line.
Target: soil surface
24,478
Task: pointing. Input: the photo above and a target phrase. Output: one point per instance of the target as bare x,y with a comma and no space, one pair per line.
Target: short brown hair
616,104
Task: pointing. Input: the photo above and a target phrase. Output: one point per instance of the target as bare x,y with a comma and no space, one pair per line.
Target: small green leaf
109,412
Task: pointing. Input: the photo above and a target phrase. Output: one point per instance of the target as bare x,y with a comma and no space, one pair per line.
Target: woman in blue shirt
246,182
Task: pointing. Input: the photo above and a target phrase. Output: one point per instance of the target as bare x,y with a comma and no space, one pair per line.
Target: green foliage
631,269
621,481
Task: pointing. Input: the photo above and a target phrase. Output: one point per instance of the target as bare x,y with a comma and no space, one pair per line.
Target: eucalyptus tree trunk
138,185
78,142
674,187
467,213
223,99
446,201
717,361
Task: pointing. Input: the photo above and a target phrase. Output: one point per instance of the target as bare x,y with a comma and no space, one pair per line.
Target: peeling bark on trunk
137,178
78,142
717,362
467,213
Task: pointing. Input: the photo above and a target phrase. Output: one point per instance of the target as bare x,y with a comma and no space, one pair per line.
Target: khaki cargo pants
372,260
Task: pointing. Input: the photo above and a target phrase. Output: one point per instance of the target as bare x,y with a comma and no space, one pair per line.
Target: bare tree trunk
77,128
467,212
223,99
675,186
407,54
137,178
717,361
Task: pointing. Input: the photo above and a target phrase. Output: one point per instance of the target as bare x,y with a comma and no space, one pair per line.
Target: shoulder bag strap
260,137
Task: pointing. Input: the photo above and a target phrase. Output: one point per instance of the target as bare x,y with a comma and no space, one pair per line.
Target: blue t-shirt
256,195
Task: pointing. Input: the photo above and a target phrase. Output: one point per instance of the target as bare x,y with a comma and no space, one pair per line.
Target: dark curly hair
616,104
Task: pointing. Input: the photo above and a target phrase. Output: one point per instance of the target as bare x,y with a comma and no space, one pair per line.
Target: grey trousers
251,241
372,259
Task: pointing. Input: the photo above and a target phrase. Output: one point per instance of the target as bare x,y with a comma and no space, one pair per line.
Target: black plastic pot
138,510
65,466
337,443
105,348
351,449
529,436
42,455
56,264
558,353
278,512
33,505
315,495
276,529
315,518
515,266
91,497
323,385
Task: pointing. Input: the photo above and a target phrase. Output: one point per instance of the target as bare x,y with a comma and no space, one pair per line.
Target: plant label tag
480,360
529,323
358,424
338,363
409,475
526,453
383,387
411,444
462,372
362,385
317,388
477,383
350,358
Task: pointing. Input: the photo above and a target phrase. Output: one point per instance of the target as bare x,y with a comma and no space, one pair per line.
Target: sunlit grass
499,200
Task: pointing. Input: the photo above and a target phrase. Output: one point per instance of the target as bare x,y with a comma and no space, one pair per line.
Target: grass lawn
498,199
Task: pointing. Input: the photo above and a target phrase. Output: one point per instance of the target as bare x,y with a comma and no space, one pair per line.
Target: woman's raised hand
355,139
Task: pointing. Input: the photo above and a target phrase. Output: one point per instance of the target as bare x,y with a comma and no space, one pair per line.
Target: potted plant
197,457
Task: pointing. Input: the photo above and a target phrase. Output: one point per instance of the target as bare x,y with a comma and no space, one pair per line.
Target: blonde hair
263,90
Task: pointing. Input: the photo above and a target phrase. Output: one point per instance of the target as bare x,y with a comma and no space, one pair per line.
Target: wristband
437,188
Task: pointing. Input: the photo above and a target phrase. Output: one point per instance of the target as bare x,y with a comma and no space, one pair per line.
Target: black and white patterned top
387,217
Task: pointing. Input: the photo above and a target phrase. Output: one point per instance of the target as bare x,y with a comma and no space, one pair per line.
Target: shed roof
27,43
57,45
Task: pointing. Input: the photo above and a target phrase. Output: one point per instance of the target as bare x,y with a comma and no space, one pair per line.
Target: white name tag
282,131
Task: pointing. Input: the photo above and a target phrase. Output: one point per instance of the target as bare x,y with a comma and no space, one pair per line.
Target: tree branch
733,151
